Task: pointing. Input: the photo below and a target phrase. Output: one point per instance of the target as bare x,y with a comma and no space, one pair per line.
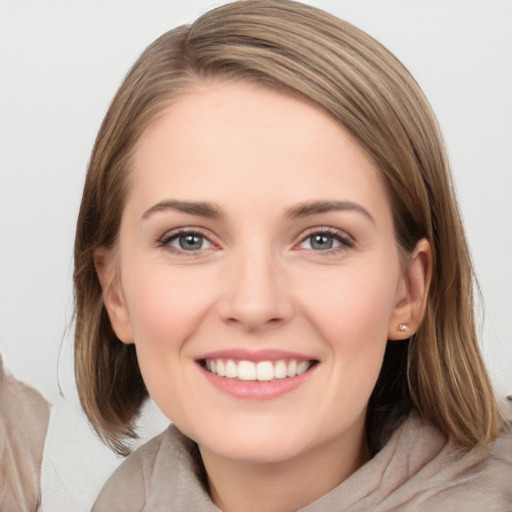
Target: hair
308,53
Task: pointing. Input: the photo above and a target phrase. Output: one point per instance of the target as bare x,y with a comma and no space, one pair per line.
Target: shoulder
24,416
127,488
501,448
431,473
163,474
480,479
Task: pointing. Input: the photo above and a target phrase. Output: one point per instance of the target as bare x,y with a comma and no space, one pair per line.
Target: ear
413,294
113,297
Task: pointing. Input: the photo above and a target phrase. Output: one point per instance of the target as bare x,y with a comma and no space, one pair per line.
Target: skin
258,282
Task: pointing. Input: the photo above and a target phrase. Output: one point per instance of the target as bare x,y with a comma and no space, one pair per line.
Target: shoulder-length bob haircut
302,51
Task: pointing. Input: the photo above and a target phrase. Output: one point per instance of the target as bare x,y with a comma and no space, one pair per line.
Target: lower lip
254,389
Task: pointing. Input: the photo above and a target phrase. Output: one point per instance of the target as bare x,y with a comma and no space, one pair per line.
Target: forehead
242,142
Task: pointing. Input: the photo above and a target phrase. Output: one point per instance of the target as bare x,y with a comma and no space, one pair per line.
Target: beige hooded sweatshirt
417,470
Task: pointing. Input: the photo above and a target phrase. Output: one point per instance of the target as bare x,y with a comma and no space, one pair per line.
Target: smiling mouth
263,371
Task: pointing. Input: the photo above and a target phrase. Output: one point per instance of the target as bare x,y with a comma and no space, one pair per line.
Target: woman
303,348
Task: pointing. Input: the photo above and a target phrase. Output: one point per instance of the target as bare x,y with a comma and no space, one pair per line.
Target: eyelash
345,241
166,240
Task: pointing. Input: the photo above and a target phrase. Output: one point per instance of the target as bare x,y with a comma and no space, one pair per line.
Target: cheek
162,302
164,313
352,316
353,305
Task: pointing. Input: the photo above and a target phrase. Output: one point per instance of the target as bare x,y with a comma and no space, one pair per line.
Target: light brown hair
306,52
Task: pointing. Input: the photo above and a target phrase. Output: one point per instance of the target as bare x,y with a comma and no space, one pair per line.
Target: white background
61,62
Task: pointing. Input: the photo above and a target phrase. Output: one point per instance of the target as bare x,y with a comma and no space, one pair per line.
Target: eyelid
346,240
172,234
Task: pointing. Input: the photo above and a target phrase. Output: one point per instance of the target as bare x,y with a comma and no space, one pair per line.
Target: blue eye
187,241
321,242
326,241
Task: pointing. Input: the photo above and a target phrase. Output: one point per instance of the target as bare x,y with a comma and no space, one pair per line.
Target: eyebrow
315,207
201,208
300,210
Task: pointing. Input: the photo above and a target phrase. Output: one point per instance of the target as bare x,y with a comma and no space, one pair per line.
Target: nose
255,294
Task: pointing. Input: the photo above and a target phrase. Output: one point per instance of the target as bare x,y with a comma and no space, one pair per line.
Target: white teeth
265,370
246,370
302,367
292,369
231,369
221,368
261,371
280,370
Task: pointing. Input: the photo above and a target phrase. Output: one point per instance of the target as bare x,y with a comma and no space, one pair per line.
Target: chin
255,441
257,451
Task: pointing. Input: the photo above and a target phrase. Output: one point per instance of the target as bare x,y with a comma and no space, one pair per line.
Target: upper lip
243,354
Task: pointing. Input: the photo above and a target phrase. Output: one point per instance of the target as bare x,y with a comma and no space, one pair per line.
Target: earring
403,328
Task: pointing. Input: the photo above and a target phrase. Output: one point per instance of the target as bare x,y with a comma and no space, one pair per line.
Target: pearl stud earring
403,328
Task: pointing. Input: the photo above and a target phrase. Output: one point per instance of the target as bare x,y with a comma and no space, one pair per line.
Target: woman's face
258,273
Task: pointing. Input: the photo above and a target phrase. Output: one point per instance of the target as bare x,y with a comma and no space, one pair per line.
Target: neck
282,486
